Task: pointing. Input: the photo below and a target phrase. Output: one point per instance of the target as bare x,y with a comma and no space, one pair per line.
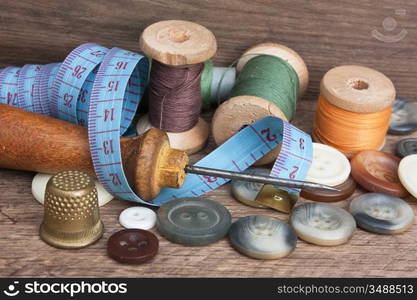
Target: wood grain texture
325,33
24,254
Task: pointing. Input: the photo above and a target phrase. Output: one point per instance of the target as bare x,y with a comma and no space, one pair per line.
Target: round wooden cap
225,122
176,42
190,141
282,52
358,89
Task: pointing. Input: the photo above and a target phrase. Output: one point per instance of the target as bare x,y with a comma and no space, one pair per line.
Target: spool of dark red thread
178,49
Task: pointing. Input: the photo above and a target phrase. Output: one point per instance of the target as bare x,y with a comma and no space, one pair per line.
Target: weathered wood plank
326,33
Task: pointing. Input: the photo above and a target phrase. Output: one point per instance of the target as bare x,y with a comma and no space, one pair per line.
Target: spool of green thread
205,83
271,78
216,84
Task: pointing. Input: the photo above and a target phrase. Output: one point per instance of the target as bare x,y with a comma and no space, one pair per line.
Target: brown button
346,189
132,246
377,171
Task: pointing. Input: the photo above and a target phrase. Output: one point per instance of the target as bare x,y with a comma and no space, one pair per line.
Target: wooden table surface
24,254
326,33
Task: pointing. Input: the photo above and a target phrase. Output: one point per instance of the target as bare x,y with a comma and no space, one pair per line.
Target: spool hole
178,35
359,84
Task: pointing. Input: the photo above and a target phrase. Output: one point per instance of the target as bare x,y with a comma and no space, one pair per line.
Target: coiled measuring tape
72,81
105,88
26,86
44,81
8,86
117,90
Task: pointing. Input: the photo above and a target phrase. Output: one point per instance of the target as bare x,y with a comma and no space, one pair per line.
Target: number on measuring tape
117,89
8,86
73,81
295,157
242,150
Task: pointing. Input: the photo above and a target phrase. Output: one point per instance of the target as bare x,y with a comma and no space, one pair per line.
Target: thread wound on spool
270,78
206,81
174,96
348,131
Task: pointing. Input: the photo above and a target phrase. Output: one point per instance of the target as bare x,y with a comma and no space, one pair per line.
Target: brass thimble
71,215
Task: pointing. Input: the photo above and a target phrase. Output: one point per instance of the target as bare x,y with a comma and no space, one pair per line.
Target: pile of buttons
200,221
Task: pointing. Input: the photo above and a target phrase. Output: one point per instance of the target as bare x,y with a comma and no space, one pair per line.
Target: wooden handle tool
33,142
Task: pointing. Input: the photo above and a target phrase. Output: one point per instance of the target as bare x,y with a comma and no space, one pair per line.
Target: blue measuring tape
242,150
102,88
117,90
26,86
8,86
44,81
74,72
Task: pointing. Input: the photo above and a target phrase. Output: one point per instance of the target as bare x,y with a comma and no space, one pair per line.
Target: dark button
407,147
403,117
193,221
347,188
132,246
381,213
377,171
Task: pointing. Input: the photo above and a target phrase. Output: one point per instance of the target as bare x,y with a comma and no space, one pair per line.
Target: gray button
262,237
382,213
193,221
407,147
403,117
322,224
245,191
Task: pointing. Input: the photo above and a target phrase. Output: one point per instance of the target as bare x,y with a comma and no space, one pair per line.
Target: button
132,246
278,199
245,191
346,189
329,166
193,221
403,117
322,224
376,171
382,213
407,147
137,217
407,173
262,237
39,186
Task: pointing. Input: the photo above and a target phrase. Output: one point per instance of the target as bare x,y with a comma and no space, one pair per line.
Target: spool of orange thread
353,109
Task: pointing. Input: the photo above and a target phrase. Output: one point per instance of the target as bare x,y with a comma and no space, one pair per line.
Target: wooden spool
178,43
240,111
357,89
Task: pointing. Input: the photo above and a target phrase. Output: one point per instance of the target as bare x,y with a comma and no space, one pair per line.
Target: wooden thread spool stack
240,111
354,109
178,43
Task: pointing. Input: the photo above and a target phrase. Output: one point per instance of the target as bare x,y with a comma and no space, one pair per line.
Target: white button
137,217
322,224
407,171
39,186
329,166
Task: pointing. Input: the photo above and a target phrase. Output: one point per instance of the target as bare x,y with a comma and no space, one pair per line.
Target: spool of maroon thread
178,49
